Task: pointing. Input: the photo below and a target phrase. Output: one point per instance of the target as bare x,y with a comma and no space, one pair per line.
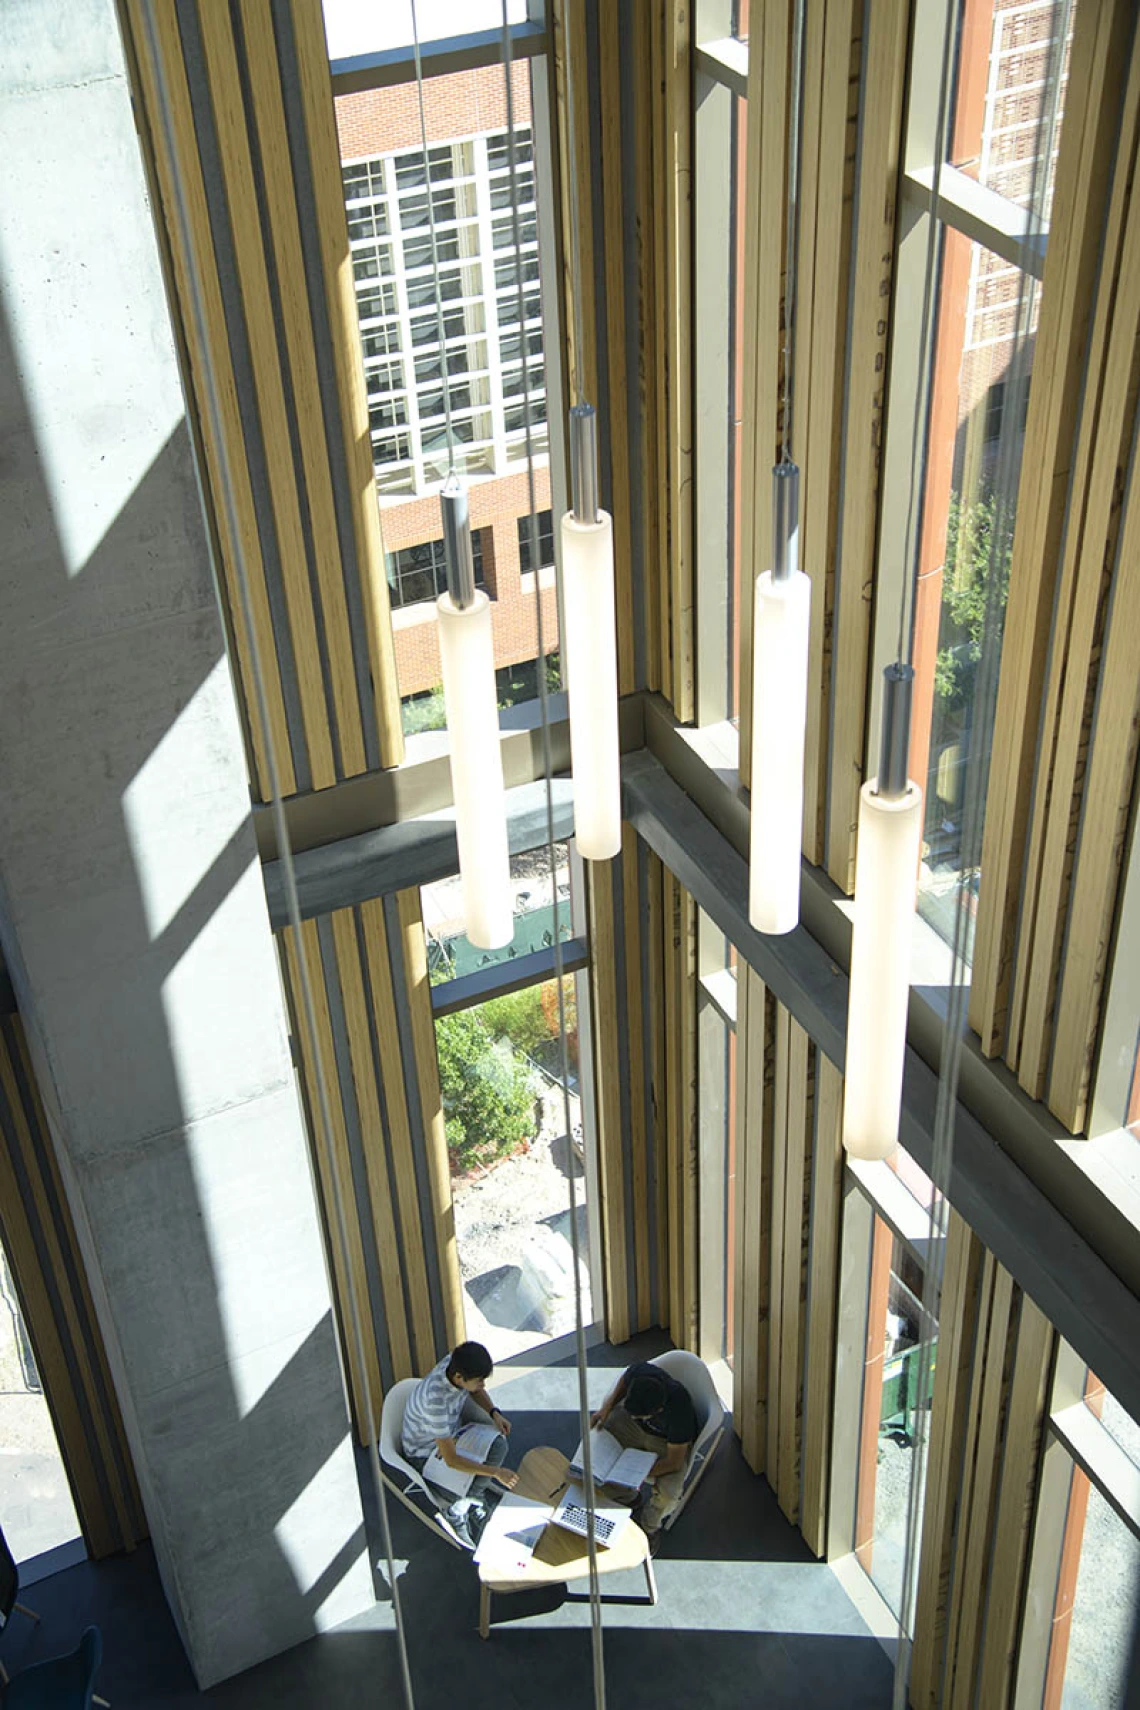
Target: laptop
610,1520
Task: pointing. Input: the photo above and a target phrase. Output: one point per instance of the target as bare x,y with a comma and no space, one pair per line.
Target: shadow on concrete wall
98,665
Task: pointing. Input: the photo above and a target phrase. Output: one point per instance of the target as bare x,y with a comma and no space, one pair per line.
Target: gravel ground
1108,1593
892,1495
497,1214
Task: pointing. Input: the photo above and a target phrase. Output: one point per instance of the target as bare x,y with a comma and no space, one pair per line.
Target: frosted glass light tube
886,880
468,658
781,633
590,648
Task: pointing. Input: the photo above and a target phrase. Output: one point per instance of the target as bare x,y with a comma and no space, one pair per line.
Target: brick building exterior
490,358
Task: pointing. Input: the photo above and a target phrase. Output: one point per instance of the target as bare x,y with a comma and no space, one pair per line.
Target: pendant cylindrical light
590,646
886,881
468,657
780,640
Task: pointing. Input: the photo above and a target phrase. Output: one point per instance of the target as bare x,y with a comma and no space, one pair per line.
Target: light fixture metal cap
457,554
785,521
894,745
584,462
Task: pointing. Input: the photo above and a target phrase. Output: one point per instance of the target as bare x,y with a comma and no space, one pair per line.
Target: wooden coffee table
559,1555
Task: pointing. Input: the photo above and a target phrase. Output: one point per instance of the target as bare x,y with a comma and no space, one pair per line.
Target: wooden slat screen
788,1207
1063,775
643,989
254,149
376,1040
39,1240
624,78
847,211
995,1354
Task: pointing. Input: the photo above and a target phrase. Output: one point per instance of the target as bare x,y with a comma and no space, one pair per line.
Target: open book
473,1443
621,1469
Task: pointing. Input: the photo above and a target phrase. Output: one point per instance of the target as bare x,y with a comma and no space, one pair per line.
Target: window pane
979,399
505,1114
720,142
1119,1424
352,29
1013,67
541,906
716,1156
543,526
1104,1607
419,573
463,334
891,1402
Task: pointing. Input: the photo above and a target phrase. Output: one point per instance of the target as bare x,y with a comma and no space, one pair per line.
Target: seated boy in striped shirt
453,1393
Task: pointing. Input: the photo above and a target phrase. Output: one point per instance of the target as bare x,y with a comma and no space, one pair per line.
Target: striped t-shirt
435,1408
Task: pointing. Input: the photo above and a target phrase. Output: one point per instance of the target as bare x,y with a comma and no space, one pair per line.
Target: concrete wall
132,913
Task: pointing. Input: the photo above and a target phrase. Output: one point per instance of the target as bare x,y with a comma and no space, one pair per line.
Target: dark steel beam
1047,1255
509,976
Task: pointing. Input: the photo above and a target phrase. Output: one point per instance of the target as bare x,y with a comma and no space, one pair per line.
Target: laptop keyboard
576,1517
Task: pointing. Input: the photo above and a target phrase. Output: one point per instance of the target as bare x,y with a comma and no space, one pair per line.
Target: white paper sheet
511,1533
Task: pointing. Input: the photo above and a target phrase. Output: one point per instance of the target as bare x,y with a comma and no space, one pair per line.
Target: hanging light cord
444,377
930,1303
209,395
559,976
570,76
792,223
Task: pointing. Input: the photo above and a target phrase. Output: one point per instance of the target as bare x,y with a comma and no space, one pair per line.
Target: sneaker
460,1525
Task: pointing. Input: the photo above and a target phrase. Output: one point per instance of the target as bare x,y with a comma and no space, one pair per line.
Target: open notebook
621,1469
473,1442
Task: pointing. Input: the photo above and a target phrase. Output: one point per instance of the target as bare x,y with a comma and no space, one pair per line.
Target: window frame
467,991
720,88
982,217
716,1115
1075,1440
872,1193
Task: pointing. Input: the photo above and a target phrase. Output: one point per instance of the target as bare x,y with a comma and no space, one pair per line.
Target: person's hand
598,1419
501,1421
506,1477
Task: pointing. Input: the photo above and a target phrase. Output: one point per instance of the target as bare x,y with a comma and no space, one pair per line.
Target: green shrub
975,556
423,712
517,1017
488,1104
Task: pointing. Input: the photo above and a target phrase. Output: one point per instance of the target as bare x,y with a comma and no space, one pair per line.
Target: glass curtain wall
462,399
500,1067
1084,1594
1007,115
716,1118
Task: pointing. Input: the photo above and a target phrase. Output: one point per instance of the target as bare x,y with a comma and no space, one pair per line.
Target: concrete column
132,913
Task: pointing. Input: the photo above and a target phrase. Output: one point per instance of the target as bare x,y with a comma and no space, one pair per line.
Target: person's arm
499,1420
451,1457
617,1393
671,1459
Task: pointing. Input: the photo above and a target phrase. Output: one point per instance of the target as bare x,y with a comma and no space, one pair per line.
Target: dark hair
645,1395
469,1360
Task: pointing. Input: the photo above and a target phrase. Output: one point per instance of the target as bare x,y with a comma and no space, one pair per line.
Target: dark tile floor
746,1615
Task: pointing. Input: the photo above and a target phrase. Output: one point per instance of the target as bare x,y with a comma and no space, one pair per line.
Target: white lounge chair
697,1379
414,1492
